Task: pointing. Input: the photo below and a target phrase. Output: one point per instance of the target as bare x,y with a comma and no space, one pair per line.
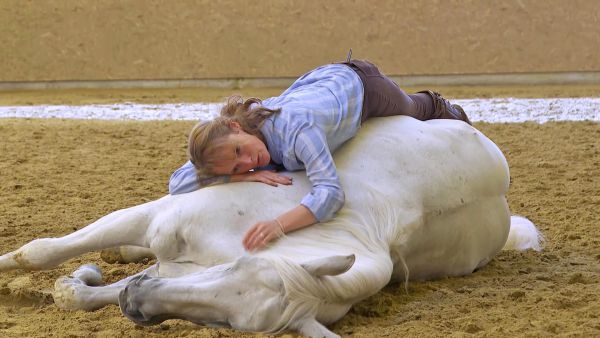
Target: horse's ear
329,266
311,328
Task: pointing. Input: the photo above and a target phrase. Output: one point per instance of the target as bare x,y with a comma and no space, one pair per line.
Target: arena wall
90,40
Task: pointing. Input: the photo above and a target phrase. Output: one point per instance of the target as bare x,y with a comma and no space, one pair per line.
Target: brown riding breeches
383,97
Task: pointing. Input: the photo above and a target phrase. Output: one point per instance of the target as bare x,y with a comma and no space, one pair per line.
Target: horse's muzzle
130,299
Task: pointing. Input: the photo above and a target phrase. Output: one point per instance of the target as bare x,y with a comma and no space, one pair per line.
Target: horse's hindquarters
455,242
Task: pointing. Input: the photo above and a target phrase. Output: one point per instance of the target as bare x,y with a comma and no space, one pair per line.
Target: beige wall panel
183,39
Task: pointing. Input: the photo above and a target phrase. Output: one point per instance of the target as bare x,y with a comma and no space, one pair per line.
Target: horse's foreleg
79,293
123,227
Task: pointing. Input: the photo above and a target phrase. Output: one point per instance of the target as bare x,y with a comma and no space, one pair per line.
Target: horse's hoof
112,255
67,293
126,254
70,292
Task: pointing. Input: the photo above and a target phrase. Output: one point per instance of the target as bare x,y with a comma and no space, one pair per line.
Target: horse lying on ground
423,200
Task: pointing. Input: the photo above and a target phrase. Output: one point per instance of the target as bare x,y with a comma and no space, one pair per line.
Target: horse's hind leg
79,291
126,254
123,227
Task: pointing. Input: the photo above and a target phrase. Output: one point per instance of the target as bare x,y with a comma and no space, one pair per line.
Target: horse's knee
7,262
35,255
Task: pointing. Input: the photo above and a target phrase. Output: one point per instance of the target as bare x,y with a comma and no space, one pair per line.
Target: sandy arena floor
56,176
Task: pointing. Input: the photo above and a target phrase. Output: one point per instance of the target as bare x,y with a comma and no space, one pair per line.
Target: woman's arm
325,198
184,179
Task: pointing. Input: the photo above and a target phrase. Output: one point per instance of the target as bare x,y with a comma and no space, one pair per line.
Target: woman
299,130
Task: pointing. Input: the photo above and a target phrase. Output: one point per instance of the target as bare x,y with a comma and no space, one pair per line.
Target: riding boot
443,109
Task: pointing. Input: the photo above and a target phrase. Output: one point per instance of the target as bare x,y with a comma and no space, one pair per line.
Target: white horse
423,200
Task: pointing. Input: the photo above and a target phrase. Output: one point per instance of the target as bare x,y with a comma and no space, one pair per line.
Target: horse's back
442,163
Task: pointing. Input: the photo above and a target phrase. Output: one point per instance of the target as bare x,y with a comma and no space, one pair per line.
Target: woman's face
238,153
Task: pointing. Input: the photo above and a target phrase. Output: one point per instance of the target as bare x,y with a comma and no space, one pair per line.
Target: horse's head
250,294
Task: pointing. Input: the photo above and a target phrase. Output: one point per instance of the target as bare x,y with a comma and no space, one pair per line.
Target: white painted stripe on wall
495,110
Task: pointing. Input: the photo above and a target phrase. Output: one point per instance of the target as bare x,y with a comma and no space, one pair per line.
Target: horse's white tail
523,235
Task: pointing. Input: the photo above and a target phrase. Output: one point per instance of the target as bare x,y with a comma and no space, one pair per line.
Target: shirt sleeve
185,180
326,196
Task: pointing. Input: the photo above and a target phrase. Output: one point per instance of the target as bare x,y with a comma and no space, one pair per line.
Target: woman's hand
270,177
261,233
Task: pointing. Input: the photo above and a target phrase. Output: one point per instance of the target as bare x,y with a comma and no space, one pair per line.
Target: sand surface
56,176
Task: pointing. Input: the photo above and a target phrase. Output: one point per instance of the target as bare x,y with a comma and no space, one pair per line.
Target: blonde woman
298,130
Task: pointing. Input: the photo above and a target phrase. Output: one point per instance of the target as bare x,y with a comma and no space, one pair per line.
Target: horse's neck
344,235
350,232
329,296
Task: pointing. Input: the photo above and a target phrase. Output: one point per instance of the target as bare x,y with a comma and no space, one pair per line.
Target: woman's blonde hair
207,135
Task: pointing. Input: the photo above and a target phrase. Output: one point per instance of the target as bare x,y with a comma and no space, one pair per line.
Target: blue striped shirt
319,112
